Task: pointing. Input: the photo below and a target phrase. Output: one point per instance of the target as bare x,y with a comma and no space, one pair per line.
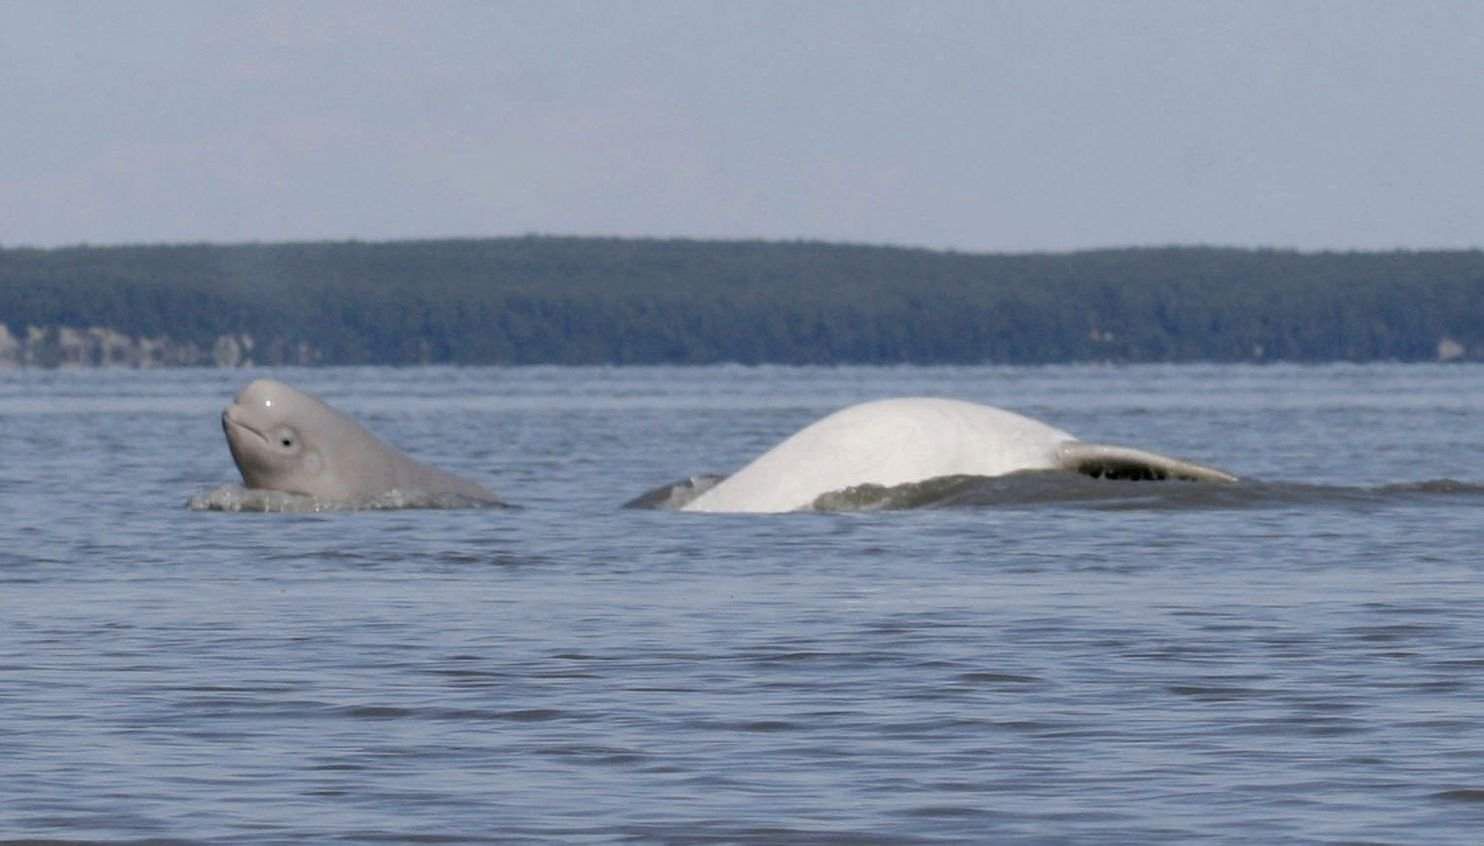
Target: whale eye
286,437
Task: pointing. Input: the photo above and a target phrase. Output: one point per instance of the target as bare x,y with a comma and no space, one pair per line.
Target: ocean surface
1295,659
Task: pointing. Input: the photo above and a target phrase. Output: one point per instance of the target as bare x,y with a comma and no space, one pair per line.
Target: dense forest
593,300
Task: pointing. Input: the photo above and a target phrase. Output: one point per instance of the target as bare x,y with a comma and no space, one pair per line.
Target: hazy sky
968,125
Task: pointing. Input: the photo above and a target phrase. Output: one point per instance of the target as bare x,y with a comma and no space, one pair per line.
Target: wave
675,495
235,498
1028,489
1063,489
1057,488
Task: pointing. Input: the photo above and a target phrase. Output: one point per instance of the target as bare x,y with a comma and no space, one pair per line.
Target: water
1301,664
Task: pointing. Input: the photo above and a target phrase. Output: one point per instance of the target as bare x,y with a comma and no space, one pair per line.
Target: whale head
277,436
286,440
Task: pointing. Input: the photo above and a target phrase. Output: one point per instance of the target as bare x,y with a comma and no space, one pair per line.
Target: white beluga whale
283,439
900,441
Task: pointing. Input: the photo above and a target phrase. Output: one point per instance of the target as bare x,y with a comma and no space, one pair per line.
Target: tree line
625,301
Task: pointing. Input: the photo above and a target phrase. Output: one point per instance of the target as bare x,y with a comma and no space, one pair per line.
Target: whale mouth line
229,422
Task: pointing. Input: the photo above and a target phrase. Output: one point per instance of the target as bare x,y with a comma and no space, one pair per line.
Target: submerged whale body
901,441
283,439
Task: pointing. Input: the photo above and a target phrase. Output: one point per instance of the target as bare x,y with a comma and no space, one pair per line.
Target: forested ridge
596,300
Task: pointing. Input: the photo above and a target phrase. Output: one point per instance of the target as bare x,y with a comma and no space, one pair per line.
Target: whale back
284,439
886,442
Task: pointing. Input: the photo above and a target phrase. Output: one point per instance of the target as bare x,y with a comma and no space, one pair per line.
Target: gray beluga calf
283,439
900,441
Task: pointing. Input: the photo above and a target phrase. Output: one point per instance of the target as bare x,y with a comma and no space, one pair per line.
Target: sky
973,126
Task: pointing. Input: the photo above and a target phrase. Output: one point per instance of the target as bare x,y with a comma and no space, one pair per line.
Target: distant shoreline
66,348
552,300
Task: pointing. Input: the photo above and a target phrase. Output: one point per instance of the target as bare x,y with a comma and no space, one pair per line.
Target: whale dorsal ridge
1113,462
